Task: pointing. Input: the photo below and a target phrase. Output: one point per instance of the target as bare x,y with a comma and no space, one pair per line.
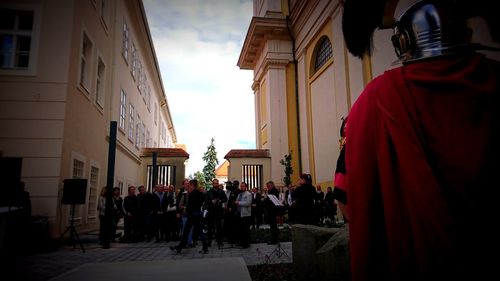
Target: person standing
330,206
215,197
280,218
422,146
181,210
231,216
303,204
159,209
319,202
131,208
256,209
195,200
272,211
171,225
101,210
244,209
145,211
117,213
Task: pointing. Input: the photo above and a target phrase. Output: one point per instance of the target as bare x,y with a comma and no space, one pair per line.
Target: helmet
428,29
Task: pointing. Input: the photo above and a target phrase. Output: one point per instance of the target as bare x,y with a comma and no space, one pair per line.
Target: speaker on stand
74,193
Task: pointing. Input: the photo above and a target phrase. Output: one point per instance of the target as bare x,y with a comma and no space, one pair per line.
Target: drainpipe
296,78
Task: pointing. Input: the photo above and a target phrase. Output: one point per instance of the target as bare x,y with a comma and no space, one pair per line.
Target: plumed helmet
428,29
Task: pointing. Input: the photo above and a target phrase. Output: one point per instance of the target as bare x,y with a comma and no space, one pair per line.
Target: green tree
210,158
200,177
287,163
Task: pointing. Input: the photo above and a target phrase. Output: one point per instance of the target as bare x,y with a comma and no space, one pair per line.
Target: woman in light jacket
244,202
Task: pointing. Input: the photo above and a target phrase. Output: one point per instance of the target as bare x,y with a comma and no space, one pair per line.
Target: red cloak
421,146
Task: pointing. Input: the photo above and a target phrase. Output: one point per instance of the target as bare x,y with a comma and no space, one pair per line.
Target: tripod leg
79,241
64,233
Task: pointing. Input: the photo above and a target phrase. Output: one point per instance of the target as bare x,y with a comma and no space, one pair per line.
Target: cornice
270,63
261,30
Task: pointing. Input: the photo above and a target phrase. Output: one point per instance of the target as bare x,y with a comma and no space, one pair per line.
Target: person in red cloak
420,183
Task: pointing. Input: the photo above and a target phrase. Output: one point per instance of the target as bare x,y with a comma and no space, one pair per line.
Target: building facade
305,80
67,69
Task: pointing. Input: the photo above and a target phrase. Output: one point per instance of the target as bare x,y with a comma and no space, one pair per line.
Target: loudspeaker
74,191
10,170
10,175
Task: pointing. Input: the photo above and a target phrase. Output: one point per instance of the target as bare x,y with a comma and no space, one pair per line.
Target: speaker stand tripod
72,231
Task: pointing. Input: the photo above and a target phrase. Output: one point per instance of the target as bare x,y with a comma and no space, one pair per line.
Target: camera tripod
72,231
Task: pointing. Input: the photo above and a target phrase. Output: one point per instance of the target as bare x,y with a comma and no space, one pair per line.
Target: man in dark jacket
215,197
194,215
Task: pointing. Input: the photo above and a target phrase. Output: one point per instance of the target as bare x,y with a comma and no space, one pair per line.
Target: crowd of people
192,214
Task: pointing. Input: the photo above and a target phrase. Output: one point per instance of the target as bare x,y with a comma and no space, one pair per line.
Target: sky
197,44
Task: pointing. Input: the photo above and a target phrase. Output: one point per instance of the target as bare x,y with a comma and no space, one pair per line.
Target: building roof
221,171
248,153
165,152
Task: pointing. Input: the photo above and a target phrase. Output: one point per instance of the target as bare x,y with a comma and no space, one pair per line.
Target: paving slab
208,269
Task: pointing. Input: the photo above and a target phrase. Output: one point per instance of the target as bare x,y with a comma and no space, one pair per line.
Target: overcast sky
197,44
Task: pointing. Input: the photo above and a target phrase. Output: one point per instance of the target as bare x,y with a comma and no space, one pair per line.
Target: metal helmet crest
430,29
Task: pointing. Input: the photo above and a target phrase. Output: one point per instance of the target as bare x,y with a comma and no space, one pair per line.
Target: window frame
125,41
322,54
31,69
131,123
122,112
100,87
93,192
86,68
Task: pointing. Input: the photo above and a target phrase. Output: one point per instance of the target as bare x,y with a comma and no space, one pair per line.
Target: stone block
306,240
332,258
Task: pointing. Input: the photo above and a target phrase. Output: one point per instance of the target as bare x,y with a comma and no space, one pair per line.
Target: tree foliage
287,163
211,162
200,177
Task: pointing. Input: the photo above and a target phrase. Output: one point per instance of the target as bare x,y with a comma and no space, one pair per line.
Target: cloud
198,44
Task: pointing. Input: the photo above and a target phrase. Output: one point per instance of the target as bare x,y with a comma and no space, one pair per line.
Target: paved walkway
45,266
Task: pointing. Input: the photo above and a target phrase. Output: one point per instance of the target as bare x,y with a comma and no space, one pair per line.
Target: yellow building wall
293,133
326,30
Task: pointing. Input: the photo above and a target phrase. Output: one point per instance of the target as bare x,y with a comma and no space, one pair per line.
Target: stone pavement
46,266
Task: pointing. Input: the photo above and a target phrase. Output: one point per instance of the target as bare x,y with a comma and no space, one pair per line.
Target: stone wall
320,253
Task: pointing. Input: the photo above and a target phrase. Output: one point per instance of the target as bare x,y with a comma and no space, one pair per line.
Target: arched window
323,52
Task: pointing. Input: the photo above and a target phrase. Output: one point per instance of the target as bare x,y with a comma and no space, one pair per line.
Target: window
135,62
138,131
125,39
323,53
78,167
92,199
156,114
85,60
120,185
15,38
148,98
140,77
104,12
131,122
161,130
252,175
143,135
99,89
148,138
123,109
